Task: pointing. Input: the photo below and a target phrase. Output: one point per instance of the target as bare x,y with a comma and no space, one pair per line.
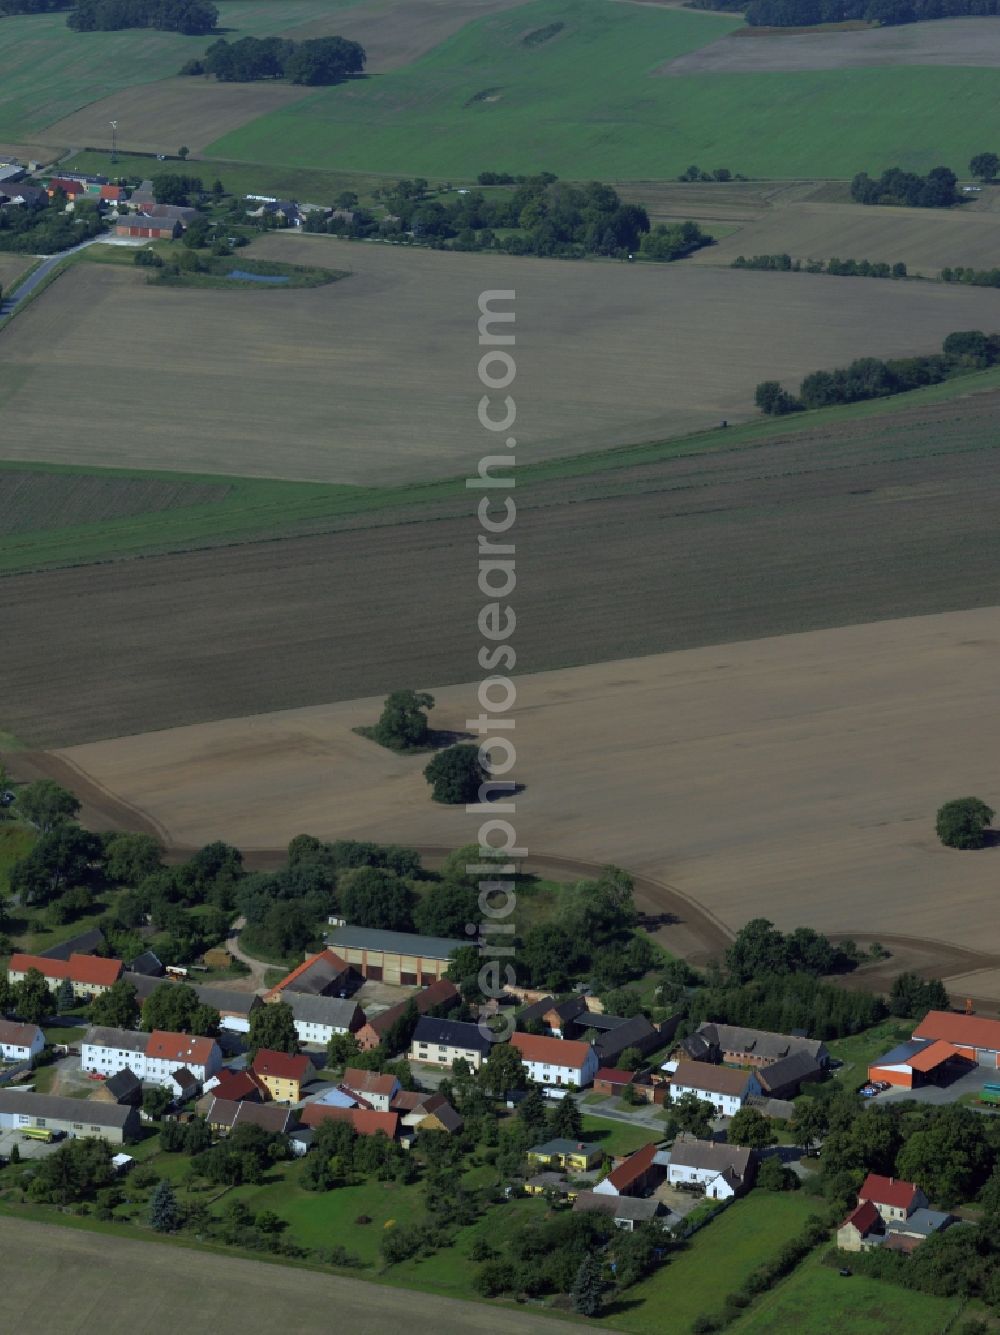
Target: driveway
969,1083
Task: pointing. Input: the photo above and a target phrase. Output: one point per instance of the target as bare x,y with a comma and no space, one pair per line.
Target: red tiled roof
238,1085
888,1191
927,1058
67,187
91,969
281,1065
368,1082
613,1076
364,1121
331,958
186,1048
633,1168
550,1051
863,1217
434,995
965,1031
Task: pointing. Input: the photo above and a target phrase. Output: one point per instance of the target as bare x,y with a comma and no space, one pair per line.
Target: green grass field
717,1261
15,843
48,71
816,1300
586,104
616,1137
860,1050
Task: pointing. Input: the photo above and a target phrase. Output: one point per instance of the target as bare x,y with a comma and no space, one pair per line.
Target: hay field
11,268
956,42
71,1280
587,104
372,380
47,71
795,777
926,240
855,520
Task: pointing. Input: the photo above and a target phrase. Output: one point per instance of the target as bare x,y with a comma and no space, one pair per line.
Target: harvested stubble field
960,42
795,777
11,267
857,520
926,240
372,380
47,1267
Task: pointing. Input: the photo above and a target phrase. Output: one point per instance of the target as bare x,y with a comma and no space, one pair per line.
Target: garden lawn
716,1261
816,1300
617,1137
587,103
859,1050
16,842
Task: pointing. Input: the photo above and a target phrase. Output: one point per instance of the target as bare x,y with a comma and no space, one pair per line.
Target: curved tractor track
677,922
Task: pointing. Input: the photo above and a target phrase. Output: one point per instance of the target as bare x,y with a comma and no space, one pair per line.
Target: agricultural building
394,957
972,1037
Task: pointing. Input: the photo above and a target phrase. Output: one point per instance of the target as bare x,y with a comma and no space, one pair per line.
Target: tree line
48,229
191,17
885,13
320,60
936,190
872,378
542,216
784,263
973,277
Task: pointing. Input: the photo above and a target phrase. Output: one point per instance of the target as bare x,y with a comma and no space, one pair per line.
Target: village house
556,1061
89,975
317,1019
890,1213
175,213
784,1078
635,1175
21,195
740,1046
577,1156
124,1088
365,1121
153,1057
371,1088
20,1042
723,1171
891,1196
76,1118
556,1183
442,995
322,975
90,942
628,1212
402,958
237,1085
638,1033
225,1115
283,1076
235,1008
556,1017
442,1042
73,190
725,1088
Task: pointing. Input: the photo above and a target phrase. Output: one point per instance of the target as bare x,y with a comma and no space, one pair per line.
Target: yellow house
543,1182
574,1155
283,1076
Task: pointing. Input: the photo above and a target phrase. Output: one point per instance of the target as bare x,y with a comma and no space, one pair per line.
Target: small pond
244,277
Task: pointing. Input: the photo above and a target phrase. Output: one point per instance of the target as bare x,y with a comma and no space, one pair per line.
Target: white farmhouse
722,1171
724,1087
154,1058
556,1061
20,1042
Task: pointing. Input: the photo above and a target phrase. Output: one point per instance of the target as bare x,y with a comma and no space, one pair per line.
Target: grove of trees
318,61
936,190
191,17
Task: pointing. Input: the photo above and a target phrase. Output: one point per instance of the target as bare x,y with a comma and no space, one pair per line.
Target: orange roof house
365,1121
87,973
187,1048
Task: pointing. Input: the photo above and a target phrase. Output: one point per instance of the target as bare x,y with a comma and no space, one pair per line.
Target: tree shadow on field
439,738
649,922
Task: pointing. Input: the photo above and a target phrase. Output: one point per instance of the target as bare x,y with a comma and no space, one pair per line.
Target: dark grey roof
336,1011
451,1034
123,1084
637,1209
125,1040
271,1116
396,943
760,1042
224,999
148,964
448,1117
183,1077
689,1152
603,1023
87,943
144,985
566,1010
313,981
921,1222
697,1047
637,1032
58,1109
791,1069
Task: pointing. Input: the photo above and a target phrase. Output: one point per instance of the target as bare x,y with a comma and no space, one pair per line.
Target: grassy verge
255,509
817,1300
859,1050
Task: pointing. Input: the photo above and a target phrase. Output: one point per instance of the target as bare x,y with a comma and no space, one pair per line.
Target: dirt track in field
72,1281
963,42
795,778
373,379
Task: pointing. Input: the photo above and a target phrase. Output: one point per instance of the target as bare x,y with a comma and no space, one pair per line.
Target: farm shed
140,226
394,957
972,1036
919,1062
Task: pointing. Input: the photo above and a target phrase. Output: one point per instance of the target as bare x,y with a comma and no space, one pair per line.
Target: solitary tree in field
963,823
403,723
984,166
456,774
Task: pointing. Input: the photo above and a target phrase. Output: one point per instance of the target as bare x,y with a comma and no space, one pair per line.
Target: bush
456,774
963,822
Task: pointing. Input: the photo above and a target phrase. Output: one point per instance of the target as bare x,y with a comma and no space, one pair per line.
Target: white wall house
20,1042
152,1057
722,1171
554,1061
724,1087
317,1019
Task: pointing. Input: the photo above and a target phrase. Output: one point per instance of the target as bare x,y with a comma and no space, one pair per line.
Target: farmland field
795,777
957,42
47,1267
815,1300
32,500
587,103
272,384
48,72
